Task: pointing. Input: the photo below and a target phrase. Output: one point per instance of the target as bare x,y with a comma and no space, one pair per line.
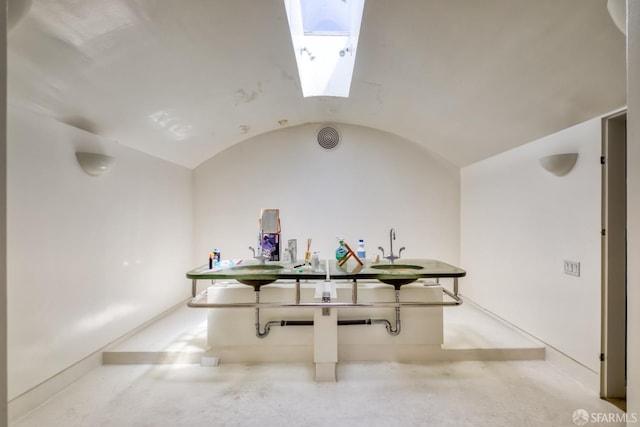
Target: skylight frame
325,57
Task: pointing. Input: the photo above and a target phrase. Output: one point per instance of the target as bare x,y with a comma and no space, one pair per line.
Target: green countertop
416,269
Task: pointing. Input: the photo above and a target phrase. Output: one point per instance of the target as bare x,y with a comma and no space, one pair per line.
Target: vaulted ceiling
183,80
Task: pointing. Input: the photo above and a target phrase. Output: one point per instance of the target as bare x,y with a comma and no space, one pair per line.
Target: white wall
89,258
373,181
3,216
633,207
518,225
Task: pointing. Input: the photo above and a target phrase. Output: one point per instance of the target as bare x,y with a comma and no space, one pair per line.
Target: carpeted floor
463,393
501,393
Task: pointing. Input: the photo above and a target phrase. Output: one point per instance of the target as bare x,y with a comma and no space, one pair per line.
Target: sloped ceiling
183,80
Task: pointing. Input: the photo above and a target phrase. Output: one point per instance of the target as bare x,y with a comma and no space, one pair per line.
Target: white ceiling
184,79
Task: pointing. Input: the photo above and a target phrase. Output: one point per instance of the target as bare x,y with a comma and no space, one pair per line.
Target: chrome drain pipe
347,322
257,324
387,324
268,325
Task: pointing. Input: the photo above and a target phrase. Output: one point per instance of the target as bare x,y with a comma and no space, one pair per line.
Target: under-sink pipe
390,330
348,322
267,326
387,324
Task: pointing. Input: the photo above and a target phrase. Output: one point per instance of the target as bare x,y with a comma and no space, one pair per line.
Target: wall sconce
94,164
618,11
559,164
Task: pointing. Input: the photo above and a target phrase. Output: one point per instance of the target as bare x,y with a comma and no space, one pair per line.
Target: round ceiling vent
328,137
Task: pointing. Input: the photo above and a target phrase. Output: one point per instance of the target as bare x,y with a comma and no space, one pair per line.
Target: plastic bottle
341,252
361,252
216,257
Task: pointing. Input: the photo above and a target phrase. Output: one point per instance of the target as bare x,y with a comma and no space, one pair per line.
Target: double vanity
276,312
397,274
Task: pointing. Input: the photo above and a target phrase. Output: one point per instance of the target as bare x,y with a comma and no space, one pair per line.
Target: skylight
325,35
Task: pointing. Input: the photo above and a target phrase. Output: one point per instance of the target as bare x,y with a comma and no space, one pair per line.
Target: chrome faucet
261,256
391,257
261,253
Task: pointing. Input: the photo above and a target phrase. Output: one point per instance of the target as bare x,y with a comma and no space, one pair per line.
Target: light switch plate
572,268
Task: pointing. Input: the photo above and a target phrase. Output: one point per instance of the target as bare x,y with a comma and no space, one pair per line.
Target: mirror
270,221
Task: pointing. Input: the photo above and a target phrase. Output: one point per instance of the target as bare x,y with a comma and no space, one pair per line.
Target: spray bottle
342,251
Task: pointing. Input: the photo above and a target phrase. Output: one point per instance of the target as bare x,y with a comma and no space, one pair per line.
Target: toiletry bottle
216,257
293,250
361,252
211,258
341,252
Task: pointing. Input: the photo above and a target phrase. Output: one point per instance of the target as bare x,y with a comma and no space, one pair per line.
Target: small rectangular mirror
270,221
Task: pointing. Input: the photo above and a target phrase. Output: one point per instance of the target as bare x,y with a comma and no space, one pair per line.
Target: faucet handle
400,251
380,247
252,250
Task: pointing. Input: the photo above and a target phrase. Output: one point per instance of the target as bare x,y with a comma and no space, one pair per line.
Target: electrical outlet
572,268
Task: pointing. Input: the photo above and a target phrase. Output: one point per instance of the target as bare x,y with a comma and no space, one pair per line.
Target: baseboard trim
578,371
582,374
151,357
31,399
136,330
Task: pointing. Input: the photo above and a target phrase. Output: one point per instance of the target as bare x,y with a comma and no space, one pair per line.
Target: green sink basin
256,274
408,267
397,269
258,267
